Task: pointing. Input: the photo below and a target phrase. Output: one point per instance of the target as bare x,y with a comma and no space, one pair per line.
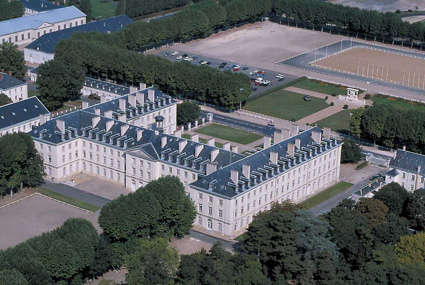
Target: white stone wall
17,93
37,56
24,127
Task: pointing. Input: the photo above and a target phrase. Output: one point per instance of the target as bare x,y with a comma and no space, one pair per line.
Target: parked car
221,66
184,55
254,89
265,82
245,68
194,57
179,57
307,98
224,63
280,76
281,79
203,62
208,63
167,54
175,53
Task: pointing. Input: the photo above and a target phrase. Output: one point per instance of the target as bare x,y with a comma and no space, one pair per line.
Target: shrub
345,107
367,106
367,96
331,104
326,98
361,165
334,94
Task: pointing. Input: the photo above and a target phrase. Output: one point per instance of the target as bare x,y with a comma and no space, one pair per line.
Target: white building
38,6
26,29
106,90
22,116
14,88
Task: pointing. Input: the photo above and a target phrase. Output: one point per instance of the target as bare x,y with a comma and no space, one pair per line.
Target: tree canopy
187,112
11,9
351,152
12,60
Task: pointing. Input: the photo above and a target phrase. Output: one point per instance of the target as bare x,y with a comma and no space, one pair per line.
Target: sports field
377,64
286,105
229,134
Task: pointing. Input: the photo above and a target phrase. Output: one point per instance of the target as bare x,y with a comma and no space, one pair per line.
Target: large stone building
408,170
26,29
14,88
105,90
43,49
22,116
38,6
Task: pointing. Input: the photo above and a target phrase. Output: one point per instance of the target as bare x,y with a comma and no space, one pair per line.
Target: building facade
22,116
38,6
107,91
15,89
25,30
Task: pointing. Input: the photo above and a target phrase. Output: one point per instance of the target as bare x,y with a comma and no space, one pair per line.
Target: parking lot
271,78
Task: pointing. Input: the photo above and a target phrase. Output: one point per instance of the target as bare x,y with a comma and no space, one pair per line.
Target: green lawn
339,122
325,195
32,93
397,103
286,105
321,87
102,10
69,200
229,134
201,140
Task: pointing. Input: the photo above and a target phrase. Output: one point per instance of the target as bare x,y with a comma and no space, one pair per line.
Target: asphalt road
270,75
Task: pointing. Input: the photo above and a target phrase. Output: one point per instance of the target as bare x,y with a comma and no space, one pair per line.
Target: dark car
184,55
201,61
254,88
245,68
195,57
221,66
281,79
307,98
209,63
224,63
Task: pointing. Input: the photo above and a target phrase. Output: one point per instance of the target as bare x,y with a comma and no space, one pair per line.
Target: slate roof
220,182
39,5
7,81
409,161
19,112
36,20
47,43
106,86
393,172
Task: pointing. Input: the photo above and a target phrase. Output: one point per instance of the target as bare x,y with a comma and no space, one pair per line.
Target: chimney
298,143
418,168
211,142
286,134
274,157
198,149
214,154
132,100
234,176
327,133
194,138
369,183
163,141
235,148
151,94
95,121
1,76
404,148
291,149
122,118
124,129
277,137
10,73
142,86
133,89
182,145
210,168
122,104
139,134
140,97
108,114
316,136
178,133
226,146
294,130
267,142
246,170
97,111
60,124
43,119
109,125
85,104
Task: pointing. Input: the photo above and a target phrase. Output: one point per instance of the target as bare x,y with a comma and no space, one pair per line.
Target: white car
179,57
265,82
187,58
204,62
175,53
280,76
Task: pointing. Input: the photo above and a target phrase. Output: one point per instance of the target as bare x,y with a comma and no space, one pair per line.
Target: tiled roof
36,20
7,82
409,161
106,86
47,43
39,5
16,113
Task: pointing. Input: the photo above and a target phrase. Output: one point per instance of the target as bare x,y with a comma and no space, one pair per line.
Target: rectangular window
220,202
210,199
200,196
210,210
220,213
200,207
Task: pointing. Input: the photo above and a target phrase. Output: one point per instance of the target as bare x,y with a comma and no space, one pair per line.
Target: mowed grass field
229,134
202,140
320,87
325,195
69,200
339,122
102,10
286,105
397,103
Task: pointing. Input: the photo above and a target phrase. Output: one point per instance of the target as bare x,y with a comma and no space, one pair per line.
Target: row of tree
20,163
11,9
136,8
391,127
66,255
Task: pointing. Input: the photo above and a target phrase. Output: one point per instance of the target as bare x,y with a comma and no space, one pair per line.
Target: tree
411,249
51,82
4,99
415,209
62,261
12,277
10,10
391,231
351,152
355,122
121,7
187,112
394,197
11,59
152,263
102,261
373,210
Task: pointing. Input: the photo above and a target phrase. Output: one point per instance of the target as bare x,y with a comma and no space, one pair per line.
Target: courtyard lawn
201,140
286,105
229,134
102,10
69,200
325,195
397,103
321,87
339,122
